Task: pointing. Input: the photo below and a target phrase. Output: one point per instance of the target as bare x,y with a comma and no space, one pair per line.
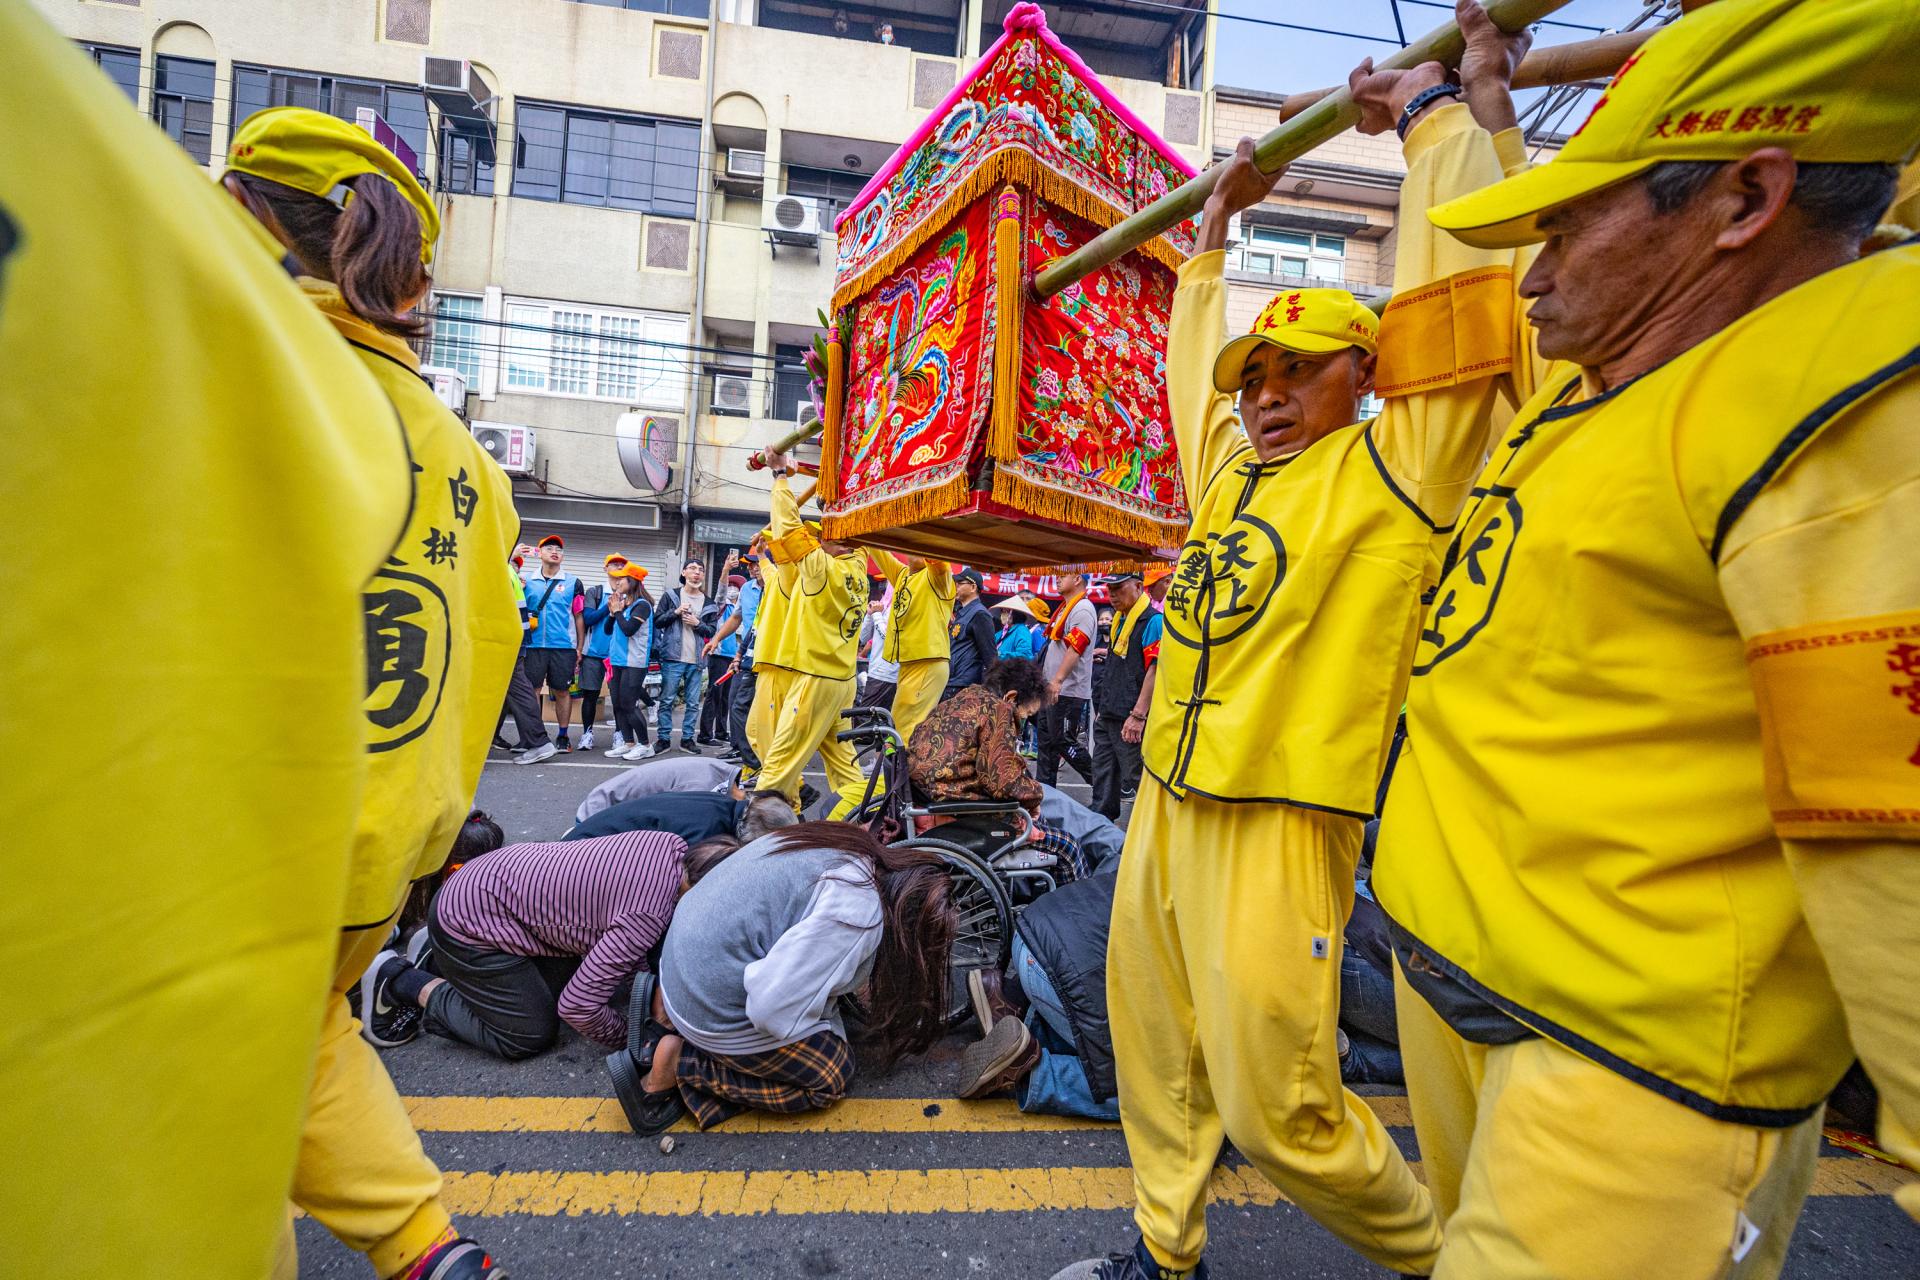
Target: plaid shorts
807,1075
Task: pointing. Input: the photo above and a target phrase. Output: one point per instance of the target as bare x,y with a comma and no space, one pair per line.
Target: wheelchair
986,845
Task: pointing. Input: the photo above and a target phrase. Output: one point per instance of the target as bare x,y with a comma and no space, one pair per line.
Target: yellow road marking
852,1115
776,1191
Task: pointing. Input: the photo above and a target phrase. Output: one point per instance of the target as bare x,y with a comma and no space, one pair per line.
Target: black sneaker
1135,1264
808,796
383,1022
561,744
460,1259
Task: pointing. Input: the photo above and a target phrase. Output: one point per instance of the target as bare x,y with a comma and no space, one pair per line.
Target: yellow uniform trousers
921,682
1223,991
1545,1165
806,720
770,686
362,1172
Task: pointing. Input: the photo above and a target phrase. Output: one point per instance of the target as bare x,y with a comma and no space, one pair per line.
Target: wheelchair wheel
983,924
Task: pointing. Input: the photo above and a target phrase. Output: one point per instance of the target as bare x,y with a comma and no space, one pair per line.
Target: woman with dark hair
534,935
630,610
479,834
969,749
761,952
357,233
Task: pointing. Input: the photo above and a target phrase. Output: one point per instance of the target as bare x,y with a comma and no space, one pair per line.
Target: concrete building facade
607,171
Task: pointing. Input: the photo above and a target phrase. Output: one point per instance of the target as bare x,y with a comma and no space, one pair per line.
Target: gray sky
1253,56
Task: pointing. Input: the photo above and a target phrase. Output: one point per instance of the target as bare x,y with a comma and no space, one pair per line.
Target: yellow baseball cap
1828,80
314,152
1315,321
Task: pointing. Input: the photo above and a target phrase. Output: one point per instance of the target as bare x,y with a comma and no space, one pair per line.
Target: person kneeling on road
746,1015
1044,1020
692,815
692,774
584,916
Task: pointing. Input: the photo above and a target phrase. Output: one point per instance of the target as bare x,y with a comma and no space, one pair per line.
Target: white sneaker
640,752
620,747
545,751
586,739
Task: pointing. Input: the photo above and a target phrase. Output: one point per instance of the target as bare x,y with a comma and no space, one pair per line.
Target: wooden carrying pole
1595,59
1325,119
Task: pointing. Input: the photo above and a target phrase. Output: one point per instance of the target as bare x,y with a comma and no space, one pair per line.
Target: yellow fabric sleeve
1453,338
1862,901
1820,576
940,574
789,540
1832,539
1206,430
891,566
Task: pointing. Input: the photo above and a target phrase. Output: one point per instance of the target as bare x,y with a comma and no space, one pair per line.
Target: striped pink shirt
607,900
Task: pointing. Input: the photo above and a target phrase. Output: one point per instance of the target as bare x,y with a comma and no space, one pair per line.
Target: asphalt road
899,1180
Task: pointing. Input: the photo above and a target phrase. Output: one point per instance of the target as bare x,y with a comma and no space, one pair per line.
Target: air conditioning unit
452,75
742,163
732,395
449,384
793,219
511,447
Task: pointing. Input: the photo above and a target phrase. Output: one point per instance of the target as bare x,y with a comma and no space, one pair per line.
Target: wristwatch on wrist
1420,102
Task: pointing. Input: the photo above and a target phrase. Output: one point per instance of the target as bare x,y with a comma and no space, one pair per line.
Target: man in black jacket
1122,693
683,621
1058,1059
972,645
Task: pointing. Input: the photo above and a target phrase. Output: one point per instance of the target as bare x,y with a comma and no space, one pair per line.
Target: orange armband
1840,727
1455,330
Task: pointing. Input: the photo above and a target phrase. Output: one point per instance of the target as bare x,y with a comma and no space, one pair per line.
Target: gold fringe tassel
890,513
828,486
1010,291
1009,164
1048,503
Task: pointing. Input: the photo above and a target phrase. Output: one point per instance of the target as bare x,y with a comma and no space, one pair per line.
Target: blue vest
631,650
599,620
556,619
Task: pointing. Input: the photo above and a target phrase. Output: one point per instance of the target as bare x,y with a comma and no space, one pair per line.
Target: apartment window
578,156
121,65
672,8
183,103
456,335
790,380
1298,255
837,188
402,107
598,353
466,160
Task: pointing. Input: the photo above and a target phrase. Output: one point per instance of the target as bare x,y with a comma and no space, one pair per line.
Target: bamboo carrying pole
1325,119
1595,59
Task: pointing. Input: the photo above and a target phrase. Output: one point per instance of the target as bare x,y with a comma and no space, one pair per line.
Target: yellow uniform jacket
1579,832
825,597
922,607
1293,611
443,633
178,416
